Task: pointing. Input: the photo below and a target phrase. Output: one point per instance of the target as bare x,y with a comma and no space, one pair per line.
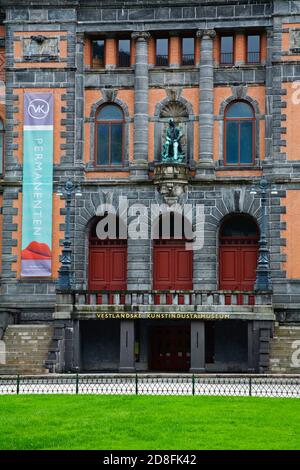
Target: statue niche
172,148
171,170
173,121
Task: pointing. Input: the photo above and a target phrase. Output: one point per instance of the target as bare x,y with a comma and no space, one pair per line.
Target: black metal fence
154,384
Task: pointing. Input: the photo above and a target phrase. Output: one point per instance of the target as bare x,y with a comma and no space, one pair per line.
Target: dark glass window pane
239,227
110,112
1,151
254,48
246,142
162,52
240,109
227,44
124,53
98,53
254,43
103,144
1,125
226,50
188,51
116,144
232,142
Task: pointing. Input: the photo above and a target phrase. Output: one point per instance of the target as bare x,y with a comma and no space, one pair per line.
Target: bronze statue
172,149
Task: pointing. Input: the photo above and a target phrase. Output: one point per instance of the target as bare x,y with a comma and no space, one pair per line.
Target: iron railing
162,60
226,58
153,297
154,384
253,57
123,59
188,59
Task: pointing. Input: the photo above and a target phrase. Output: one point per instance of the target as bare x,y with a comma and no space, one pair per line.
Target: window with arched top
109,134
1,146
239,134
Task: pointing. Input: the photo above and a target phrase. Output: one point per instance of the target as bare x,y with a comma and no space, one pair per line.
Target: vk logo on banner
38,109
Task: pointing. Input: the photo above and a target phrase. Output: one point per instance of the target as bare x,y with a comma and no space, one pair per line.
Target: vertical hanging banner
37,185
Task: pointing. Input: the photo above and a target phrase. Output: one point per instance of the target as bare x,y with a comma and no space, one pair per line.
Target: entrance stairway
285,350
26,349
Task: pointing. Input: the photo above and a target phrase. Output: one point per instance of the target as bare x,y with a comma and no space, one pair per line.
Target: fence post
18,384
136,385
77,378
250,386
193,384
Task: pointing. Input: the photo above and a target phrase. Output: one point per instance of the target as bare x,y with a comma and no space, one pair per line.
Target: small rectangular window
227,54
253,49
98,53
124,53
162,53
188,51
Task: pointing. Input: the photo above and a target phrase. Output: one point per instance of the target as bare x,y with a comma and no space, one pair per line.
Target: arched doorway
172,271
107,261
239,244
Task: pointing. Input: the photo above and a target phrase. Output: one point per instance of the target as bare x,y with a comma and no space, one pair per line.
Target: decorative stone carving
40,47
174,93
171,181
140,35
206,33
239,92
109,94
295,40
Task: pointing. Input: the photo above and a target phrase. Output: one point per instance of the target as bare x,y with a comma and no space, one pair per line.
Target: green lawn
131,423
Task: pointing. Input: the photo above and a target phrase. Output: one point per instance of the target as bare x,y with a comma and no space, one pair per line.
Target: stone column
251,367
139,168
76,346
205,167
197,346
127,362
269,96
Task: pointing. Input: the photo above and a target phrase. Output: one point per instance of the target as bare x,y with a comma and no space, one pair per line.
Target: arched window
239,134
109,133
1,147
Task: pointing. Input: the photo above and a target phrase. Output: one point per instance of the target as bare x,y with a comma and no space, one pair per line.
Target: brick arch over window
239,94
92,119
230,202
185,117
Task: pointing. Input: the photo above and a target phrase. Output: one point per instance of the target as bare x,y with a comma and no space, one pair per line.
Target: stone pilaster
269,95
206,105
139,168
127,363
197,347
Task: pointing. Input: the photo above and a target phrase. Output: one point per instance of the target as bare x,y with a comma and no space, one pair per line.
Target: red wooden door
238,267
108,267
173,267
170,348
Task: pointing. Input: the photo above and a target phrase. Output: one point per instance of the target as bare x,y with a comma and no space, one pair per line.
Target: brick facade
142,90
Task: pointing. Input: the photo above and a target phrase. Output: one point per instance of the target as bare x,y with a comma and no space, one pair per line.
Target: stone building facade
228,73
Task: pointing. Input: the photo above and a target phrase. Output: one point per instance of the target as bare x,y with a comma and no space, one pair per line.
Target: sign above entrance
161,316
